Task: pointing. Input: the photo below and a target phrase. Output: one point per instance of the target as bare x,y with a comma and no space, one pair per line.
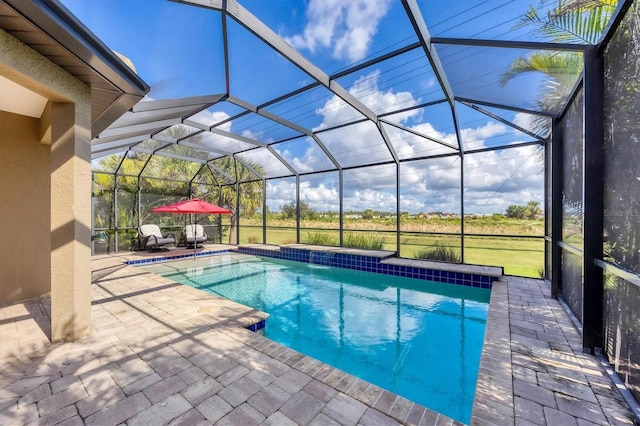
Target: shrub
440,253
364,241
320,239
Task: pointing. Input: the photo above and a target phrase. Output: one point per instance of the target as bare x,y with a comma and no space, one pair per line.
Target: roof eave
52,19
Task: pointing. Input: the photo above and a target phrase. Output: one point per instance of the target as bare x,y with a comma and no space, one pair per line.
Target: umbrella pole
195,237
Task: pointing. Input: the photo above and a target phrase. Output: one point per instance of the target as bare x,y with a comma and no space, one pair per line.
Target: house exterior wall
25,258
46,168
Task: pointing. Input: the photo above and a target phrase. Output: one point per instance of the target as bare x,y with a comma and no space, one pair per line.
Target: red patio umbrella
195,206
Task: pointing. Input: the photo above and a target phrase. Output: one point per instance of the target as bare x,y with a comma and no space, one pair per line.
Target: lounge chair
194,234
150,237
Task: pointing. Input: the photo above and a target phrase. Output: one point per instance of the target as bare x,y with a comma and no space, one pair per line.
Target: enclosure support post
115,214
546,209
220,216
461,207
298,208
341,189
593,199
556,207
398,227
139,203
138,208
237,213
264,211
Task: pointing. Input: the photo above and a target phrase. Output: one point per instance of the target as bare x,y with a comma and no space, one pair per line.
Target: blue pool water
419,339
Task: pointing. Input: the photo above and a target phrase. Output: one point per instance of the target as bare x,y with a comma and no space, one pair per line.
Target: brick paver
269,400
244,415
163,353
162,412
344,409
302,407
214,408
552,381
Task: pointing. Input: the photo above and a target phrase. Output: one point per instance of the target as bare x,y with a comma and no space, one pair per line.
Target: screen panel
621,145
573,174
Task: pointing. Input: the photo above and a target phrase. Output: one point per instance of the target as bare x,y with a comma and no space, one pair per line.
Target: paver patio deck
164,353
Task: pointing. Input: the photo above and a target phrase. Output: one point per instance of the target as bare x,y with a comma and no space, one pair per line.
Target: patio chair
194,234
150,237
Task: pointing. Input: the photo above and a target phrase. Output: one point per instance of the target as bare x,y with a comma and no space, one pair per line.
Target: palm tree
571,21
176,175
248,191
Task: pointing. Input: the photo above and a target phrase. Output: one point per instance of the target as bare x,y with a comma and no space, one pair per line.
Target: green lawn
518,256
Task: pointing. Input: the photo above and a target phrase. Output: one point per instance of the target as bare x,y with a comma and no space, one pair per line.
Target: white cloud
312,158
523,120
280,192
347,27
366,90
322,197
370,198
208,118
336,111
494,179
317,193
475,138
362,143
408,145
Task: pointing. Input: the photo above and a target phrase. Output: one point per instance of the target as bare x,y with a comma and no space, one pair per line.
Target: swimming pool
419,339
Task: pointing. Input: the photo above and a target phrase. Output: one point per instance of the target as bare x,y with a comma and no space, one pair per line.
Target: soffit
49,29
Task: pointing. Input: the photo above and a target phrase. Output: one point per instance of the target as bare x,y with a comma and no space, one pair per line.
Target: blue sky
178,50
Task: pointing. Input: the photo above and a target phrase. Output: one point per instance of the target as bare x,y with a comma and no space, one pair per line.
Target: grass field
518,255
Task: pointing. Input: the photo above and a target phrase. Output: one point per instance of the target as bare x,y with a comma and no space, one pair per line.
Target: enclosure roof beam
168,154
197,125
195,101
420,28
284,122
498,148
511,44
614,23
197,173
151,126
106,152
222,172
387,142
504,121
258,110
411,108
162,138
282,160
130,139
121,145
206,149
248,166
422,135
266,34
503,106
327,152
237,137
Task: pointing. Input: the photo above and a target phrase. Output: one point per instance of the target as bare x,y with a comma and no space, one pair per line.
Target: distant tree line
289,211
531,211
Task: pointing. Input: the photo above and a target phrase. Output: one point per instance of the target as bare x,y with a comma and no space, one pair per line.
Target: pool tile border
174,257
381,264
